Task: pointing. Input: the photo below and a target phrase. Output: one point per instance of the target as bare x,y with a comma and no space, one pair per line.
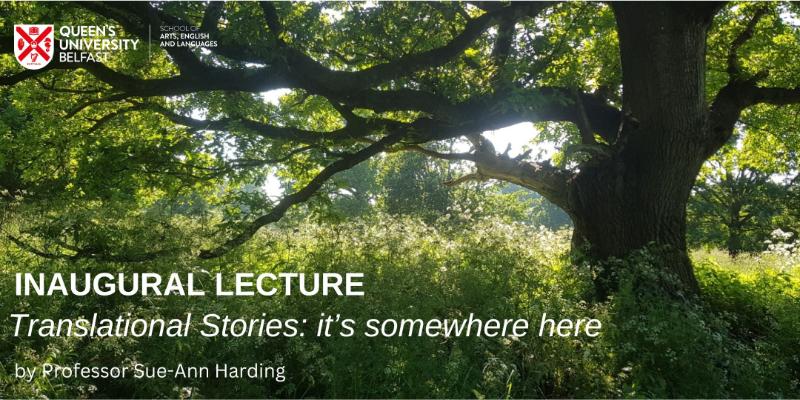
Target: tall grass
739,340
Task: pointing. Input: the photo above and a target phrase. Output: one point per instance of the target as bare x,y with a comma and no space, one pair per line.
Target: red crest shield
34,45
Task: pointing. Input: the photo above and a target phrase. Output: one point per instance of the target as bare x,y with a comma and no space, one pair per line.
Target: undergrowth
740,339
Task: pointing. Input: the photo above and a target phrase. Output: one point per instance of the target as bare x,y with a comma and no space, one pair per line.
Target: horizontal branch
556,104
135,18
357,128
436,154
262,129
81,254
549,181
13,79
733,99
102,121
464,179
545,179
774,96
441,55
293,70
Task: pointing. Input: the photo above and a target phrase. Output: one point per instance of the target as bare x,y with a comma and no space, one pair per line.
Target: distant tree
789,220
356,191
543,212
414,185
734,206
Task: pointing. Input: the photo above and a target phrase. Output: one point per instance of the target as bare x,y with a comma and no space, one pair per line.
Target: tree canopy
367,137
156,135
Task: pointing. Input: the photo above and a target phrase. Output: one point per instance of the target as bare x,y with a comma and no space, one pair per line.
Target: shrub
739,340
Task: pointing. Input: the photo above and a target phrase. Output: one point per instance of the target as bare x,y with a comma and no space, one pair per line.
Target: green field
738,340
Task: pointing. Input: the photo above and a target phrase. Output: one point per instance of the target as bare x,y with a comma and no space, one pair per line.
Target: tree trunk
734,242
637,195
734,225
625,210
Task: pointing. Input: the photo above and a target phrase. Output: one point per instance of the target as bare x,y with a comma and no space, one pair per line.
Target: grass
739,340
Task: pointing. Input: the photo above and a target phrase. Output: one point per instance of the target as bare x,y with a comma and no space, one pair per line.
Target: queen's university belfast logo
34,45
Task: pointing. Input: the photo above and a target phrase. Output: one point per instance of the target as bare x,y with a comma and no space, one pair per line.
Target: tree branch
551,182
465,178
348,133
584,126
734,69
135,17
271,18
303,194
108,117
733,99
93,254
436,154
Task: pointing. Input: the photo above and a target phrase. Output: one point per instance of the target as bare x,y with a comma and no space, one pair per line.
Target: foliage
412,185
361,111
214,139
740,341
735,205
732,344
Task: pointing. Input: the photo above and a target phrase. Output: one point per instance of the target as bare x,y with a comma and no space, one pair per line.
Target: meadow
739,339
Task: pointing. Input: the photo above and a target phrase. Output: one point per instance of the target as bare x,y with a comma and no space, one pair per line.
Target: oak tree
637,95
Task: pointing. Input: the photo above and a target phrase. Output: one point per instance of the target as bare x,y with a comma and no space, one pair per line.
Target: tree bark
734,242
734,225
637,195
